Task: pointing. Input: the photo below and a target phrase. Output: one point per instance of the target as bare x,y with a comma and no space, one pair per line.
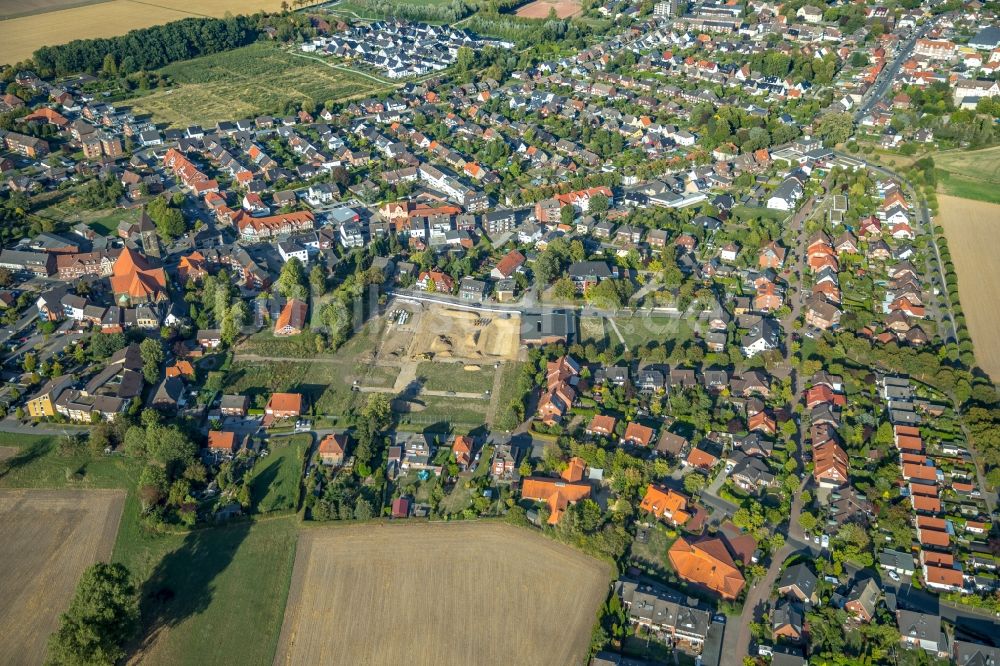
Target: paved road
12,425
736,643
30,315
524,309
888,74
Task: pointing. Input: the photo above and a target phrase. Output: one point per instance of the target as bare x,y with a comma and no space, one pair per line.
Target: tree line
147,48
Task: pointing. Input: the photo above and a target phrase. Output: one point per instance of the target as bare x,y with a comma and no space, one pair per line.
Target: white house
289,249
350,235
785,196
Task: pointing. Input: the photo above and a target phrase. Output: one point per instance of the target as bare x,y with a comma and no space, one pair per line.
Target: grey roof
586,269
919,626
892,559
987,38
800,576
557,323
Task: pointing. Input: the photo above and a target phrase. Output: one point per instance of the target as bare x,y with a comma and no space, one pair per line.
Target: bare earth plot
539,9
23,35
461,335
439,594
47,539
973,232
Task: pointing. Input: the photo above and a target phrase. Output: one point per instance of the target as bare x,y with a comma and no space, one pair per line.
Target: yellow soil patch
465,335
23,35
539,9
973,232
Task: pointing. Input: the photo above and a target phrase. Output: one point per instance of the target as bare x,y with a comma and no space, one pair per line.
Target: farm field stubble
506,587
540,9
973,232
45,27
47,539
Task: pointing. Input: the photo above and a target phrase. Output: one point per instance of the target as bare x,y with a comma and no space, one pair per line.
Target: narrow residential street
737,640
736,643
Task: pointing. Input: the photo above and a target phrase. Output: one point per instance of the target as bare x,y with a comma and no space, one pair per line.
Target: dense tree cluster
103,614
167,217
148,48
101,193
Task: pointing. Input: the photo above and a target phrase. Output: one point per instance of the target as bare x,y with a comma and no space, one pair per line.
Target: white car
893,575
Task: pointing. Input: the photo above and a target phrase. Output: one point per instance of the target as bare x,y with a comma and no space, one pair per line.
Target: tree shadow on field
183,583
25,456
261,483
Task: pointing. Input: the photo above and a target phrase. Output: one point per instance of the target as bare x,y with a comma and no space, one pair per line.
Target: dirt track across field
47,539
439,594
973,232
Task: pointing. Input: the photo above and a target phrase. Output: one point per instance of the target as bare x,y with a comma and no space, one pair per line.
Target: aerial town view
500,332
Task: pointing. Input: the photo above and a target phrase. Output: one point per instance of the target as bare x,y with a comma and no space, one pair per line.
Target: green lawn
653,553
359,10
454,377
971,174
327,386
962,185
326,380
265,343
636,332
460,414
191,583
106,222
220,594
246,82
59,209
275,480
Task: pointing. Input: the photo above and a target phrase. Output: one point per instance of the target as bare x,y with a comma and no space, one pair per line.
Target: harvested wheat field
439,594
47,539
539,9
23,35
973,232
12,8
442,333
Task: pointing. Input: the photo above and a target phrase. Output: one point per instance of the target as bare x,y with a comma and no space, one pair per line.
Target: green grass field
509,373
454,377
243,569
460,414
970,174
635,331
325,385
275,480
61,210
246,82
359,10
190,582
